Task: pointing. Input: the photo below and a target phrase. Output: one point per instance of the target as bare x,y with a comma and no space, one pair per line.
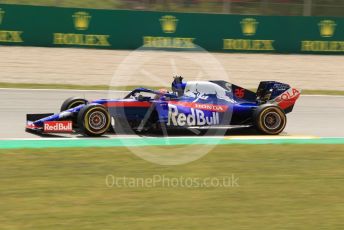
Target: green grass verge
280,187
105,87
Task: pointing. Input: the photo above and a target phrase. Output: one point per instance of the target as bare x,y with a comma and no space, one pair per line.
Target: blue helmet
178,85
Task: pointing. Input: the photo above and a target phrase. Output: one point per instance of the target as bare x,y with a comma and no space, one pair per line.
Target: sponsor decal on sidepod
288,98
58,127
195,118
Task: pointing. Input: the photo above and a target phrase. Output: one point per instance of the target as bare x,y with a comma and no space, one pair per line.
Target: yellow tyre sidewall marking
283,119
86,117
71,105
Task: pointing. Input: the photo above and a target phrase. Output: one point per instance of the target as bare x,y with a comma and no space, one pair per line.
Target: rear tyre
270,119
72,102
93,120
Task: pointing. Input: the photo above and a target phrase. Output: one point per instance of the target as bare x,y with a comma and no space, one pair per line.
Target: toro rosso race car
200,105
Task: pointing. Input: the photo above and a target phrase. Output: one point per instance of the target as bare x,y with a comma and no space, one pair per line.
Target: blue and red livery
199,105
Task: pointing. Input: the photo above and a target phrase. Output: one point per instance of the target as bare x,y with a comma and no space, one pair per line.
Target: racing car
200,105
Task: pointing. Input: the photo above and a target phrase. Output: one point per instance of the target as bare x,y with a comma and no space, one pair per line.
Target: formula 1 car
201,105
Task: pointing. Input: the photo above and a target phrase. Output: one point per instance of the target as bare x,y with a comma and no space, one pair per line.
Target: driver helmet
178,85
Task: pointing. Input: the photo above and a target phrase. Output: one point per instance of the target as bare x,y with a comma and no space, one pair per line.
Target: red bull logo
195,118
58,127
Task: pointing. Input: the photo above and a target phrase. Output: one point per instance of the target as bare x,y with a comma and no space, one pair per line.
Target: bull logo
239,93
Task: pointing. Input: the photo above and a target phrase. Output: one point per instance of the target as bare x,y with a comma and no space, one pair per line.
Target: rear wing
277,93
268,90
286,100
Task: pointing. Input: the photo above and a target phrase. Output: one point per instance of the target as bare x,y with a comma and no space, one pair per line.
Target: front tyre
270,119
72,102
93,120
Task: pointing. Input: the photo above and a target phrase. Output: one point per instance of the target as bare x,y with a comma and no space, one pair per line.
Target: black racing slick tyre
93,120
72,102
269,119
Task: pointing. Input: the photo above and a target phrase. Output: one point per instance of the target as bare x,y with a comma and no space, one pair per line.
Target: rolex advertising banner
121,29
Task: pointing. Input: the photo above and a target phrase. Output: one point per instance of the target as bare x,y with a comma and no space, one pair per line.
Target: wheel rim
272,120
97,120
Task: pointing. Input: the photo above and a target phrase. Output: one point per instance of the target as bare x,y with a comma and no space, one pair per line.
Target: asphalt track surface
321,116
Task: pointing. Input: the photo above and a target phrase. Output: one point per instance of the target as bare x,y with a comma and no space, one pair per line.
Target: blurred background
281,185
253,7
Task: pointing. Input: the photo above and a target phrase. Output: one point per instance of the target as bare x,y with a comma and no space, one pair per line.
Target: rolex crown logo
249,26
81,20
2,13
327,28
169,23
